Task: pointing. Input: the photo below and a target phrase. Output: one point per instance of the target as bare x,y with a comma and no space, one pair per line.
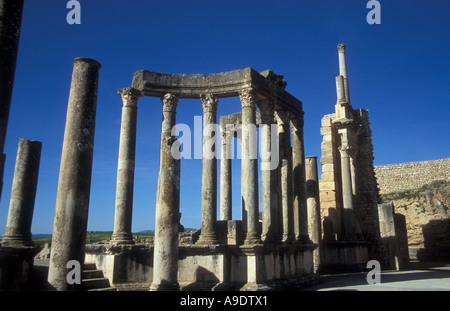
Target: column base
16,241
165,286
207,239
252,238
122,238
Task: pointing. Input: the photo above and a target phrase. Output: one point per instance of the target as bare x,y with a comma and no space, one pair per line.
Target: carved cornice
209,102
130,96
170,102
248,98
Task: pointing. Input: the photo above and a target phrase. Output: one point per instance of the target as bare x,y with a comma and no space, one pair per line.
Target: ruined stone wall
366,186
412,175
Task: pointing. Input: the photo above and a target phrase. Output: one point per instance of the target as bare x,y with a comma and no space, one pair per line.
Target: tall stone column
167,218
209,171
10,26
313,205
285,177
343,70
249,171
298,179
125,168
225,176
23,194
270,226
72,200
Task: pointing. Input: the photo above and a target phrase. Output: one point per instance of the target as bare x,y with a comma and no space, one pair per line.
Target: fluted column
225,176
298,180
23,194
249,171
285,176
72,200
209,171
167,217
125,168
269,157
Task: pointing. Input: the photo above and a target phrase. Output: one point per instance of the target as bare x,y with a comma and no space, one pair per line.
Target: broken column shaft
72,201
23,194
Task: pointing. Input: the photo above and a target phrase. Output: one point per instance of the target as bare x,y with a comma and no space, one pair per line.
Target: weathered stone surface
72,201
23,194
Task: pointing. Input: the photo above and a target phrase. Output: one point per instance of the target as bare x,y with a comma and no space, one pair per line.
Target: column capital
341,47
266,107
170,102
297,124
345,150
248,98
130,96
282,116
209,102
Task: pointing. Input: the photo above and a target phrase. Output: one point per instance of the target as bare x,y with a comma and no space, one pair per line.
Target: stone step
96,283
89,266
92,274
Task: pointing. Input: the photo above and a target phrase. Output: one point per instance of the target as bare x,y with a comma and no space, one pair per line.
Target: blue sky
398,70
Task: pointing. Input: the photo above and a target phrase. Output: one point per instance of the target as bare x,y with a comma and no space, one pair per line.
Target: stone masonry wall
412,175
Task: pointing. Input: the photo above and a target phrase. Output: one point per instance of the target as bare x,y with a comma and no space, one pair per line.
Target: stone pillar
72,201
249,172
225,176
209,171
23,193
270,225
313,205
10,26
125,168
167,218
347,194
298,178
343,70
285,178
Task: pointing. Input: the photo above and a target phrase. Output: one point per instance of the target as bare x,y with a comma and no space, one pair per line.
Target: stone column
285,177
167,218
249,171
298,179
343,70
313,205
10,26
209,171
23,193
72,201
270,226
125,168
347,194
225,176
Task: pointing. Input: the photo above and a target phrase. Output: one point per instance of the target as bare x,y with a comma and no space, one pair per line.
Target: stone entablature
266,84
411,175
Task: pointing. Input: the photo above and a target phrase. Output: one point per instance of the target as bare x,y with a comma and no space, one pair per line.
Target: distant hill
41,236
